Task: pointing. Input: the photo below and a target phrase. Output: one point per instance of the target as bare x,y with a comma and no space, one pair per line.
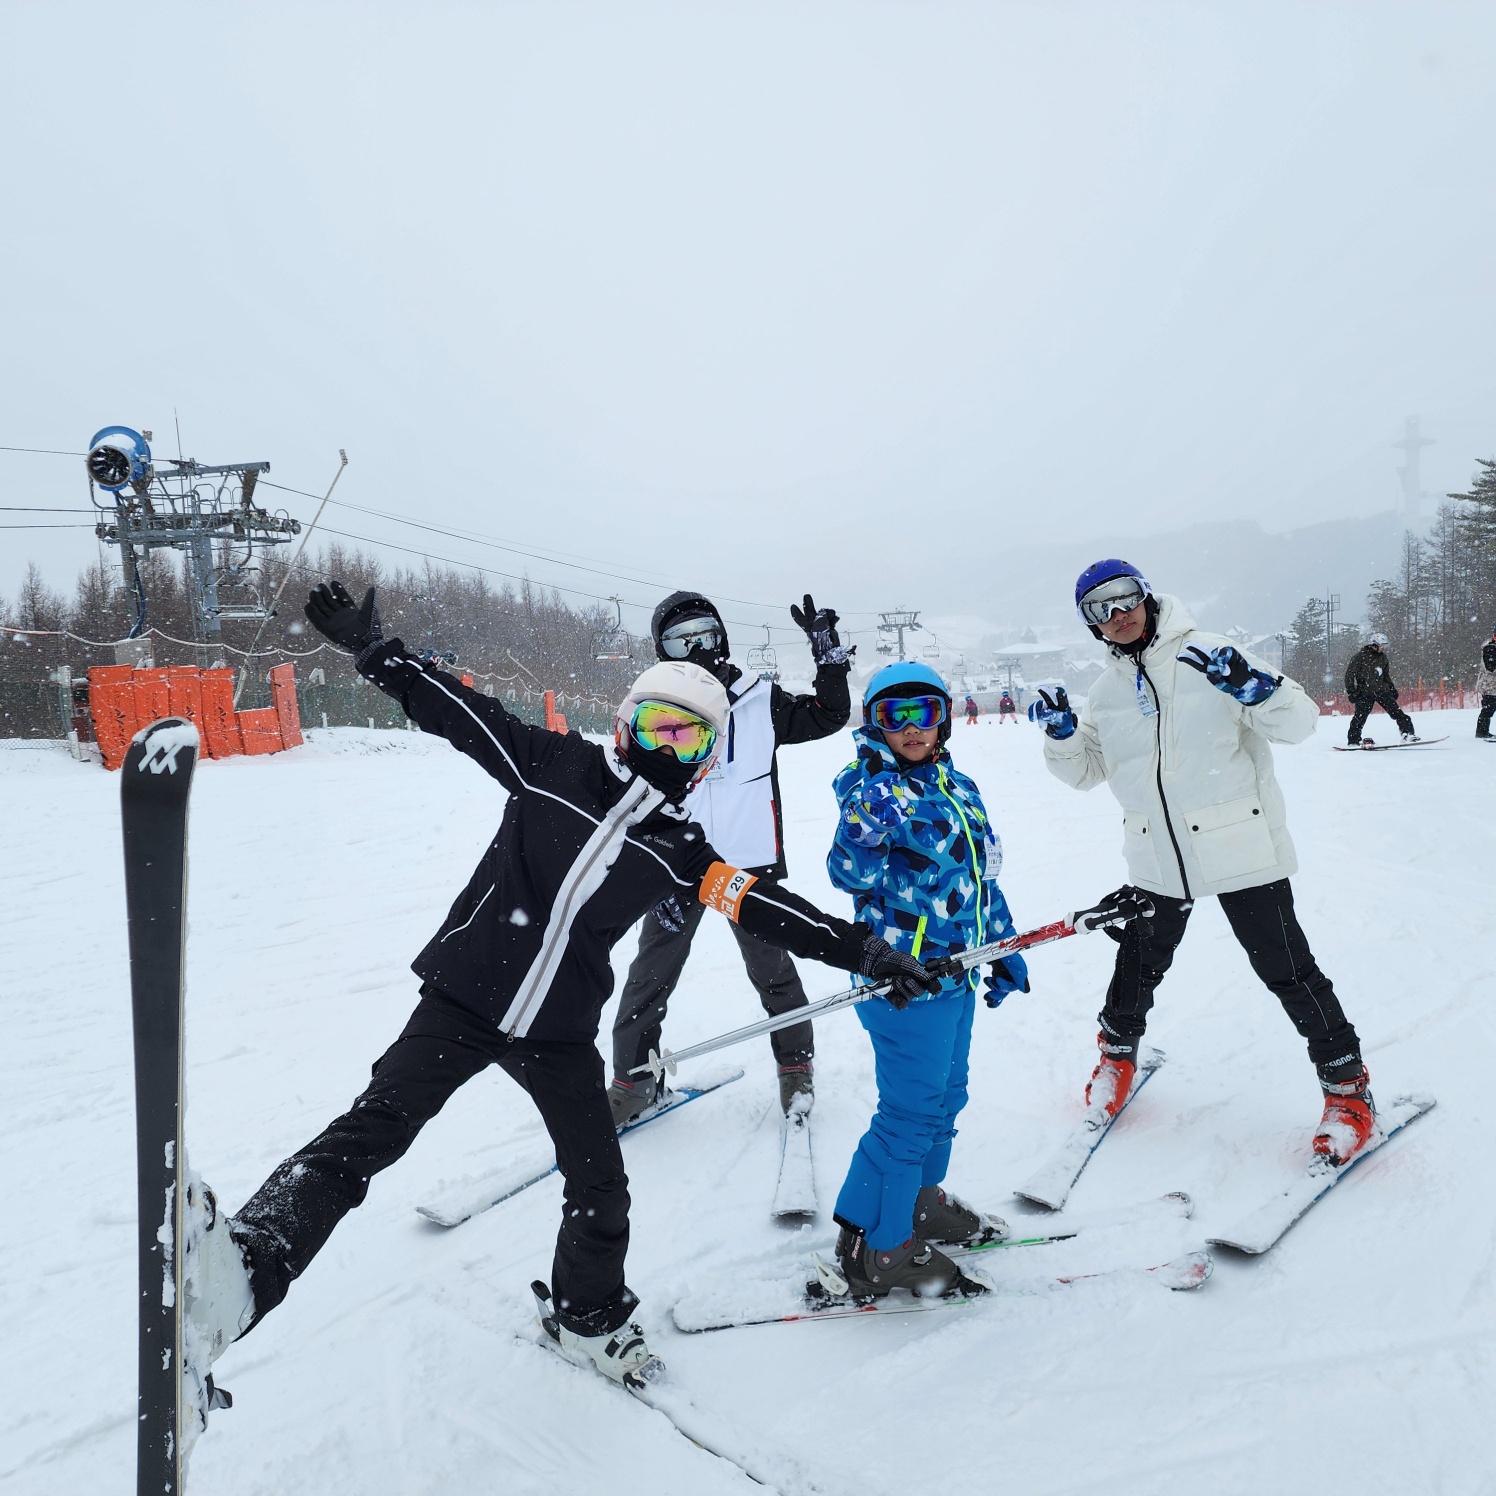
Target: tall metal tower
206,511
1412,481
896,623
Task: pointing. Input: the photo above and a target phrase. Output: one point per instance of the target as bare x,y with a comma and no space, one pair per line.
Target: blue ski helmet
906,678
1106,571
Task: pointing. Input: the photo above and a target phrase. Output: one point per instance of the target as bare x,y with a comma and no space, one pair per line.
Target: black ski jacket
1369,675
585,848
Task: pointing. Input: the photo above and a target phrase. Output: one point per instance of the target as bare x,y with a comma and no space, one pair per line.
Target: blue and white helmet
906,678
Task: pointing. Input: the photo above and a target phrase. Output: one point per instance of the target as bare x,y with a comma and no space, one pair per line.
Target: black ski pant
1483,722
289,1218
1264,922
657,968
1387,700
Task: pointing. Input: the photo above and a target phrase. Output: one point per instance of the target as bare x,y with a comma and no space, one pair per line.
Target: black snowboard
154,783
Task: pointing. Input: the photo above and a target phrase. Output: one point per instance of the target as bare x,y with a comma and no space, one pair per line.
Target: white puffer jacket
1192,768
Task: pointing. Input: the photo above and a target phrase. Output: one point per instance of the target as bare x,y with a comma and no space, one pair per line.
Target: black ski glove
1226,668
819,625
349,625
1115,912
669,915
882,963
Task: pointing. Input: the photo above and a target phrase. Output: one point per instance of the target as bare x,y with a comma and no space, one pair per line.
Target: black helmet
682,607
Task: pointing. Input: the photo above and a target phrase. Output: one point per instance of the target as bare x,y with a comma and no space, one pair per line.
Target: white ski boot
217,1304
621,1355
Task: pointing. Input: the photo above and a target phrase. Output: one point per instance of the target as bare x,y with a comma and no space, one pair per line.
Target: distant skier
1485,685
1368,683
1006,709
738,804
1187,752
916,850
517,975
971,711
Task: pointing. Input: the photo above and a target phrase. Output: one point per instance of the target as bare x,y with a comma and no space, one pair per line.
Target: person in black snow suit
591,839
1485,684
737,804
1368,683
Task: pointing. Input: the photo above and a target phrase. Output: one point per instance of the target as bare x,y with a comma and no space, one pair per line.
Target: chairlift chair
762,661
613,643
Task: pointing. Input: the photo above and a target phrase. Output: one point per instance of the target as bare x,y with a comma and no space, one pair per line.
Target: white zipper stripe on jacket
583,878
476,907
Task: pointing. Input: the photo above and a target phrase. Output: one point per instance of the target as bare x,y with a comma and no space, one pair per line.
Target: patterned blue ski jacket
916,851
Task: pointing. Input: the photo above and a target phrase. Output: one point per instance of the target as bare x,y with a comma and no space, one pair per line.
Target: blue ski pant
921,1057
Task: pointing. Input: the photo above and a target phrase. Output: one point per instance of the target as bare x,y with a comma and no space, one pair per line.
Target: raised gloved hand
881,963
670,915
349,625
1053,714
820,628
1005,976
1226,668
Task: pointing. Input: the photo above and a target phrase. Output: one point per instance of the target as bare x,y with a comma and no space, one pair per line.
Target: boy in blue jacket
915,849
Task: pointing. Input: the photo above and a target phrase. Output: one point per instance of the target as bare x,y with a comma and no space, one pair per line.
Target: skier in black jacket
1485,685
591,839
1368,683
737,804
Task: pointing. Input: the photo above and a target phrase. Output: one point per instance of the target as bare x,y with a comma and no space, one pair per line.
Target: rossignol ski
154,785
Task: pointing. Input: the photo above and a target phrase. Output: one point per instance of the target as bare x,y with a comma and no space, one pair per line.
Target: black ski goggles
689,636
1103,602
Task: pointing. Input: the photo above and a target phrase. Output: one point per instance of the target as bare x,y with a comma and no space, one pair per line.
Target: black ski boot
948,1222
797,1088
915,1265
628,1099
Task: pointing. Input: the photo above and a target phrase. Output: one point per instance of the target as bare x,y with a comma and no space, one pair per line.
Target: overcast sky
753,297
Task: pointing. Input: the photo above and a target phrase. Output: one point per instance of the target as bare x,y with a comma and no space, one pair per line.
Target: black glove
670,915
1115,912
820,628
882,963
333,613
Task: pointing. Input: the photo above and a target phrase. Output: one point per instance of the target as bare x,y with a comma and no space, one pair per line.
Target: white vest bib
735,802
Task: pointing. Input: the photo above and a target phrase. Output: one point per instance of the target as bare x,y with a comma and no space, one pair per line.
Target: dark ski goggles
894,712
1120,595
690,635
662,724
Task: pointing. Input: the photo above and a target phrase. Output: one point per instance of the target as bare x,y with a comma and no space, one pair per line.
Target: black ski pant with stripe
657,968
1387,700
1264,922
290,1217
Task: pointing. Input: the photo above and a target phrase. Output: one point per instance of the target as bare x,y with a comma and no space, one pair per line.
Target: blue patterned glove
1053,714
877,811
1005,976
1226,668
670,915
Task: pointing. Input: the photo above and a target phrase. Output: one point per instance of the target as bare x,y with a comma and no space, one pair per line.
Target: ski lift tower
207,511
896,624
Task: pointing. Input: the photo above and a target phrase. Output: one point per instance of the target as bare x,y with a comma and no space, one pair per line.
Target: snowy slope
1361,1351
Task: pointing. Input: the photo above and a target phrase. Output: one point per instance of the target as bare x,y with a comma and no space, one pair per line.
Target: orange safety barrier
554,720
122,700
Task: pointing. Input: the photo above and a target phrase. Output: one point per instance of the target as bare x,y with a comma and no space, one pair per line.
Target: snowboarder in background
591,838
1180,724
1006,709
738,805
1368,683
971,711
1485,685
916,850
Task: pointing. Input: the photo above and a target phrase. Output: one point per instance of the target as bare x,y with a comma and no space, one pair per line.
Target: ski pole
1115,909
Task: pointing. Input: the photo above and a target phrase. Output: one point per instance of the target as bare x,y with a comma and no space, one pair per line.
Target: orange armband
723,888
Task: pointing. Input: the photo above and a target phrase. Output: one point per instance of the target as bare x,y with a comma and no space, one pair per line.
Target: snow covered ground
1361,1353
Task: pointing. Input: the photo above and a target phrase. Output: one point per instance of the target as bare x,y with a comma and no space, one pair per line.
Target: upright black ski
154,782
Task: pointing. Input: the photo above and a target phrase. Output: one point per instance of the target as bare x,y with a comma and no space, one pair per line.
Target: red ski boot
1111,1080
1349,1121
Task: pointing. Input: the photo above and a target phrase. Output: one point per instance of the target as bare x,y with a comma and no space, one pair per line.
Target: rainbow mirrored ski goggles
662,724
893,712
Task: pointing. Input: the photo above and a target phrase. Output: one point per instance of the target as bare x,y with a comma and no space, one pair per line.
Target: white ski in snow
1175,1206
473,1196
779,1304
795,1194
1050,1185
1266,1225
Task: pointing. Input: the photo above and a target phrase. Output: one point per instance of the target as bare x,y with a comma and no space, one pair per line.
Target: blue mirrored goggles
894,712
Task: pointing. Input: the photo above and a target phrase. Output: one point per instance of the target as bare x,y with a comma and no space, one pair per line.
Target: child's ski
154,785
472,1197
1050,1186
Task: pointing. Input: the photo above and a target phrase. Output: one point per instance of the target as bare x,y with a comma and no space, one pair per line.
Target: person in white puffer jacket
1180,724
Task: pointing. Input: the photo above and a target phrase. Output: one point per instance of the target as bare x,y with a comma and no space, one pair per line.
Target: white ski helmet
1380,640
681,684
